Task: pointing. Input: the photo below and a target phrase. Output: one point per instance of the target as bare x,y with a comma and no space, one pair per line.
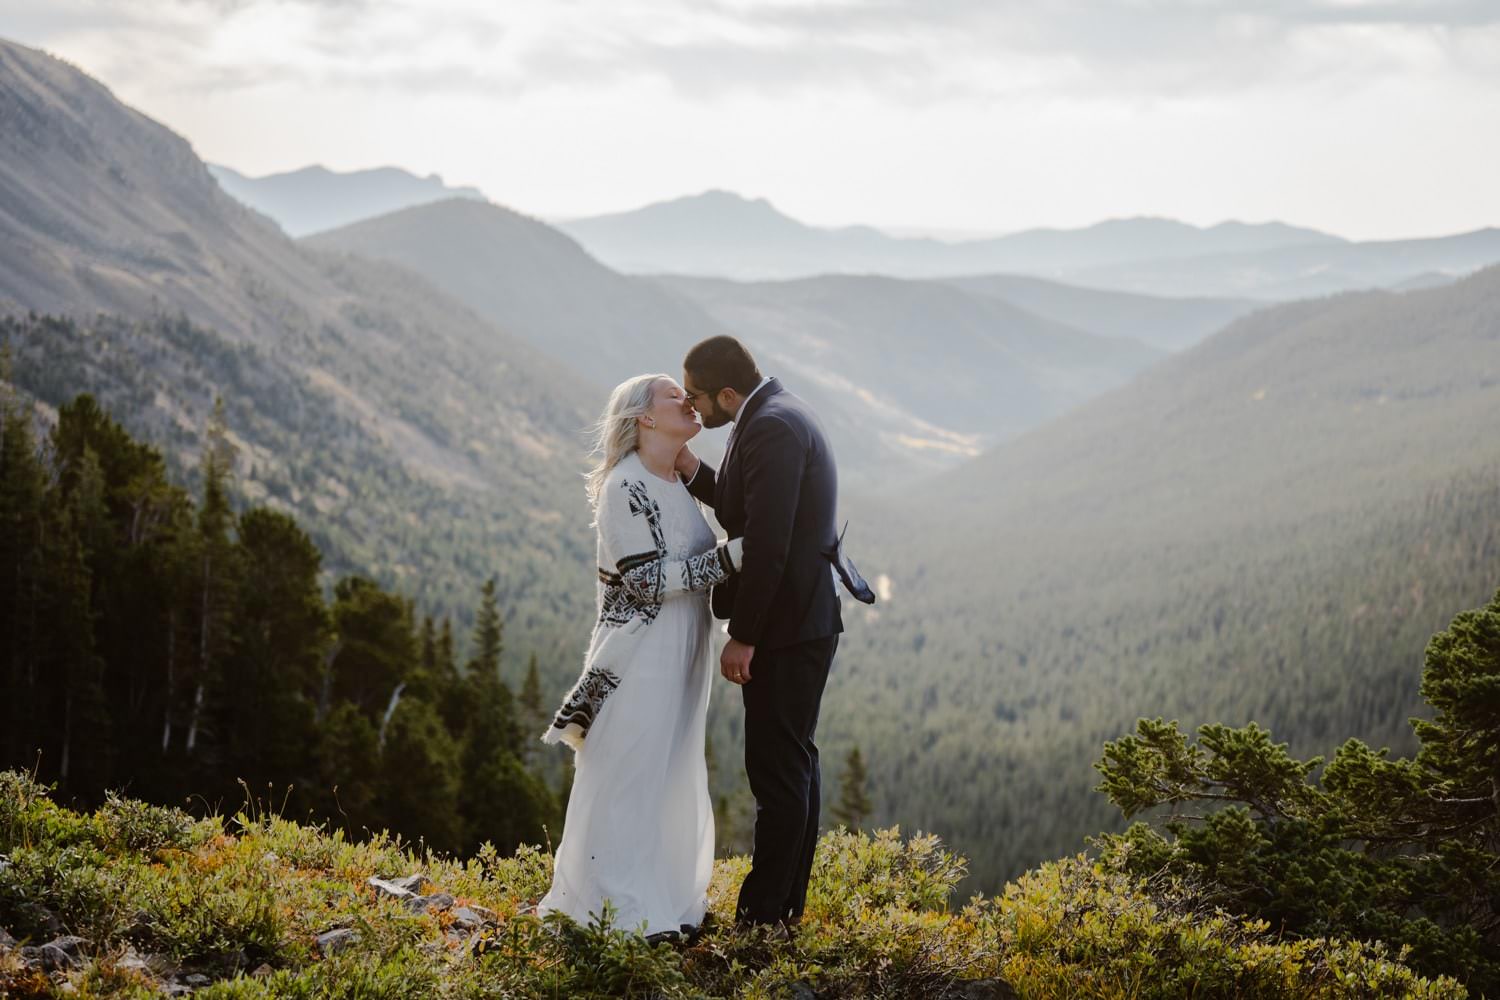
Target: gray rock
801,991
65,952
162,964
196,980
337,940
177,989
416,883
7,942
437,901
383,887
472,917
132,962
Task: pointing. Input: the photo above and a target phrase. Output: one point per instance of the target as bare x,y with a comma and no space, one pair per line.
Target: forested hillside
1266,527
421,442
168,643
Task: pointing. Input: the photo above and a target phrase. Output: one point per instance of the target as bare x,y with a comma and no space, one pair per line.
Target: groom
777,489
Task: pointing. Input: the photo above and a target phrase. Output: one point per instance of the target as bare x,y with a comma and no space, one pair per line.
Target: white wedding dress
640,825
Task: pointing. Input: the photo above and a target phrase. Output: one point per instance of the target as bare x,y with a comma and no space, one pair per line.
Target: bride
640,826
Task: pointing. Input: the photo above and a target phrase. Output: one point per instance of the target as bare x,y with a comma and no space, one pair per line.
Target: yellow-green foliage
1077,928
231,897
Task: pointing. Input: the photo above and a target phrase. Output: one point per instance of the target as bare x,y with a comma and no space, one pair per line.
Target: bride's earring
650,422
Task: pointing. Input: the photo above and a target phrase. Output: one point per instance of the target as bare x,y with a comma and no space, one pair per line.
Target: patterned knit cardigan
635,576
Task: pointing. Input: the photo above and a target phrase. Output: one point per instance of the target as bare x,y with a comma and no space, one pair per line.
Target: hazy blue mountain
1167,323
1265,527
468,440
721,234
1303,271
939,372
315,198
1120,240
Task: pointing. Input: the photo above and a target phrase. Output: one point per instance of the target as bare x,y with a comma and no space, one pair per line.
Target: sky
1372,119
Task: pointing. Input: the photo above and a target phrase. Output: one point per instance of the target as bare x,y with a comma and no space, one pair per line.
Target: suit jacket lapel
771,388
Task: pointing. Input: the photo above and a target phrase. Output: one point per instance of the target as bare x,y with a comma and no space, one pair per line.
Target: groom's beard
716,416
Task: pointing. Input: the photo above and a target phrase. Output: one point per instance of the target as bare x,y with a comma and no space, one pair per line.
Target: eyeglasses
690,396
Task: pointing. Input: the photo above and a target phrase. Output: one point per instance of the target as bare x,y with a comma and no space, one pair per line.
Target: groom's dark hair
722,363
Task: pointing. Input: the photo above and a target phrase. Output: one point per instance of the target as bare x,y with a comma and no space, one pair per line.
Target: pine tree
217,574
501,802
376,648
854,805
449,693
508,805
489,632
79,724
348,767
22,495
419,778
274,677
1406,851
533,713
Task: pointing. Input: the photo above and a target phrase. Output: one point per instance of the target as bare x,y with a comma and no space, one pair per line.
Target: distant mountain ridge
315,198
721,234
1301,272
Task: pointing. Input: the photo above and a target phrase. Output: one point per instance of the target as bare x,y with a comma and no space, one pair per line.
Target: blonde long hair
617,434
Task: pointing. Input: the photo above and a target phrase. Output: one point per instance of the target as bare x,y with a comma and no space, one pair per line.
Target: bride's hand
687,463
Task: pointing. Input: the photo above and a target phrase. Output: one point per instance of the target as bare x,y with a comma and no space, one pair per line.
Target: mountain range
723,234
720,234
873,354
315,198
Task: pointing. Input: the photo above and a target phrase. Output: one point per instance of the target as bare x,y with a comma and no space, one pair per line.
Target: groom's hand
686,464
734,662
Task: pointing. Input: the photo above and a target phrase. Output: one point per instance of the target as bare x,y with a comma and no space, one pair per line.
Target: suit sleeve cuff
740,633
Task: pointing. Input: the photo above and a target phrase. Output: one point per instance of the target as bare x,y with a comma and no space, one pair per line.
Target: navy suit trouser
782,699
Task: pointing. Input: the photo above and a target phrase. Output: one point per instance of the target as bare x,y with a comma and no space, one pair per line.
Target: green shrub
1081,928
132,825
879,923
1399,850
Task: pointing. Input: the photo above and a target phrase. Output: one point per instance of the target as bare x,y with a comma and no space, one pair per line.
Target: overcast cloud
1365,118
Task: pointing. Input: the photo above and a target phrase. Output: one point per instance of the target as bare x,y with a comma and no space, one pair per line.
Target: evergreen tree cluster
1405,850
170,646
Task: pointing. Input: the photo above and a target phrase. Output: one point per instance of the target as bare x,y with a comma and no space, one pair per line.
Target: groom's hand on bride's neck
687,463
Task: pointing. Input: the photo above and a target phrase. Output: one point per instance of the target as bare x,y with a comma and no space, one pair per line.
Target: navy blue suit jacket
778,490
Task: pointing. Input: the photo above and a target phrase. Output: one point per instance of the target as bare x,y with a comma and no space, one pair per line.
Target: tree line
158,642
